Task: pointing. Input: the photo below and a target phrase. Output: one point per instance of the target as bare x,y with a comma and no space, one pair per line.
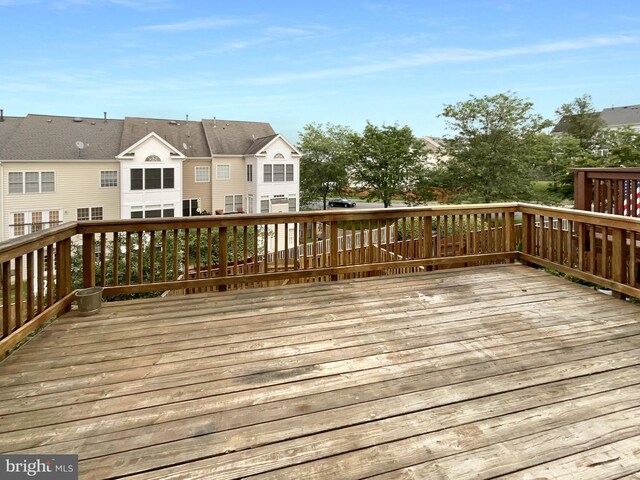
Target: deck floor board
465,373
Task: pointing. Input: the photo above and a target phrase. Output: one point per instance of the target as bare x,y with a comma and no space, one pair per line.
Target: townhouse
55,169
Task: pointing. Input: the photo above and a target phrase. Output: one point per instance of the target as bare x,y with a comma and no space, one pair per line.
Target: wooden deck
500,371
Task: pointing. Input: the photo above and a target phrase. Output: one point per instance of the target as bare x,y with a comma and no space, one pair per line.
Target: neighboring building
55,169
434,149
614,117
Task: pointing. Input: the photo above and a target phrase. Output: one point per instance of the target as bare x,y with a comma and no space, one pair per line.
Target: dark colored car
341,202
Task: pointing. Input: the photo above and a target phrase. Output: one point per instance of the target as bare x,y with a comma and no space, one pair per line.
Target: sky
291,63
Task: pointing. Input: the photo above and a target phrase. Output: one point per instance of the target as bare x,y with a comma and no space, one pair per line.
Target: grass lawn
541,194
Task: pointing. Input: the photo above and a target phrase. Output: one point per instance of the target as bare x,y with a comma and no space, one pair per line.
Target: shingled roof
47,137
177,132
228,137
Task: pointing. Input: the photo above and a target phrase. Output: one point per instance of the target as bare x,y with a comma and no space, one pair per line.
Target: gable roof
47,137
258,144
176,132
174,152
227,137
8,127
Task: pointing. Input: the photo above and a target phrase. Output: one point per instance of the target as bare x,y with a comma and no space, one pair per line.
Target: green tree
622,147
323,166
492,153
389,162
579,119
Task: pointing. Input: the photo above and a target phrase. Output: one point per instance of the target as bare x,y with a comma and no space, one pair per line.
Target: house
614,117
57,169
434,149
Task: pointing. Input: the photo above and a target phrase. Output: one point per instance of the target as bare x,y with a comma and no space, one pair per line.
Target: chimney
1,115
105,117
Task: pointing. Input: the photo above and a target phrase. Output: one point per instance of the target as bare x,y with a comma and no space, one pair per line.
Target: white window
32,182
15,182
108,178
268,175
292,203
89,213
278,155
232,203
223,172
152,211
289,173
249,203
203,174
278,172
18,224
264,206
152,178
152,158
249,173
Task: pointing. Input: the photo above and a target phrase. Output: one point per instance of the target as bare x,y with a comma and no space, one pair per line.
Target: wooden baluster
305,258
176,240
140,259
235,251
618,258
41,280
333,257
50,270
245,249
152,256
6,299
103,259
222,260
63,269
186,260
198,259
266,248
276,228
17,265
163,246
30,286
88,260
127,258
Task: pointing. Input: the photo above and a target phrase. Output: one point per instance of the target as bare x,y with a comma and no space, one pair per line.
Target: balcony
402,343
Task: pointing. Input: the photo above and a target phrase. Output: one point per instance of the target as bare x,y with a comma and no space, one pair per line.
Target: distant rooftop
613,117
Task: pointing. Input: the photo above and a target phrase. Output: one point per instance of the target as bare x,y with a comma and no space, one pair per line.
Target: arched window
152,158
278,155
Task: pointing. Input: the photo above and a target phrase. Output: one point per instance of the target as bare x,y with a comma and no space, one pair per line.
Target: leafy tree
621,146
579,119
323,166
492,152
389,162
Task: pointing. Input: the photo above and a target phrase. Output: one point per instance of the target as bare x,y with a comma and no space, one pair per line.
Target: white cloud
199,24
442,56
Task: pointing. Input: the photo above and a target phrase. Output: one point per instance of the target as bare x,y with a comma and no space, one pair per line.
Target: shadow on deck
473,373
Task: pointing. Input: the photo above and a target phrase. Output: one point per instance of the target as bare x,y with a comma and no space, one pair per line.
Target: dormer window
152,158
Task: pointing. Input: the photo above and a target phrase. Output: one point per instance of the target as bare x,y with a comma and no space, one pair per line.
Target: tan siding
236,185
191,189
77,185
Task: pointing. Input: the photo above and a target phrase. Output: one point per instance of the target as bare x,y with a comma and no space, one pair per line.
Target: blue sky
295,62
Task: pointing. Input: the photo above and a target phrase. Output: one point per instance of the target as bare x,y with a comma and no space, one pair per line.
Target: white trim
174,152
293,148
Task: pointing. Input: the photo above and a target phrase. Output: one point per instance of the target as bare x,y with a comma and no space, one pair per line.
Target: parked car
341,202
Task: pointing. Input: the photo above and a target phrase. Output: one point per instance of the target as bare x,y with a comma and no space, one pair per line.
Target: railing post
510,232
63,269
88,260
618,258
334,247
582,191
222,255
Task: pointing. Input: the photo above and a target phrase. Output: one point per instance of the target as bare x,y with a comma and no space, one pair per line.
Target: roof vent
77,119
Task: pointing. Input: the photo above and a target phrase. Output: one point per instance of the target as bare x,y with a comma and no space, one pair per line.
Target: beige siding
193,189
236,185
77,185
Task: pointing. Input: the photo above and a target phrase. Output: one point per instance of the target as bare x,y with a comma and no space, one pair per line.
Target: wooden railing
597,248
607,190
41,271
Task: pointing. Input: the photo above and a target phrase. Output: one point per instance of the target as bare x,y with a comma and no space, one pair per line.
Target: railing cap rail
15,247
585,216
